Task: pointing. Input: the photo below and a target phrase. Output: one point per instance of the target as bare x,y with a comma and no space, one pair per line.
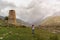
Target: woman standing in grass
33,29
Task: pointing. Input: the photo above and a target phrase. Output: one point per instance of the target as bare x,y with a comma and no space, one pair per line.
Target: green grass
13,33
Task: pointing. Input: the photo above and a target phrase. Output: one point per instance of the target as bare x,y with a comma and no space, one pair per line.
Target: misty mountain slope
52,20
21,22
51,23
1,17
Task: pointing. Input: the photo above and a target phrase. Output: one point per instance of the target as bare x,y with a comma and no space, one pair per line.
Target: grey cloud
42,9
4,5
36,10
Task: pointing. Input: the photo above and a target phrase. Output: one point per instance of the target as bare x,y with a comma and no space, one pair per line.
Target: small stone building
12,17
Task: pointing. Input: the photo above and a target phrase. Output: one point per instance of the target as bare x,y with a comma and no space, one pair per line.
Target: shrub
6,18
55,37
23,26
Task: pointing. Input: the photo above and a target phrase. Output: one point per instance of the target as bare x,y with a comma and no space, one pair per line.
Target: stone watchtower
12,17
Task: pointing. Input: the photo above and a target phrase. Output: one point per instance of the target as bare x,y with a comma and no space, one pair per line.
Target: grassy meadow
13,33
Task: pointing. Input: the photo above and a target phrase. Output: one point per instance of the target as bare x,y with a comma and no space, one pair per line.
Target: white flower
1,37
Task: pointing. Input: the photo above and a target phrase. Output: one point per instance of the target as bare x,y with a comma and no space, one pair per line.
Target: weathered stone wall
12,17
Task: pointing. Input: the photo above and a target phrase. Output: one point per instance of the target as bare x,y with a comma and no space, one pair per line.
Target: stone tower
12,17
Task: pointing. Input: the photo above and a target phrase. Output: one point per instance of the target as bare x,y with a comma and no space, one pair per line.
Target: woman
33,29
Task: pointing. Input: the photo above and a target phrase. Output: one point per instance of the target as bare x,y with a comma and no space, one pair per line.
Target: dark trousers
32,31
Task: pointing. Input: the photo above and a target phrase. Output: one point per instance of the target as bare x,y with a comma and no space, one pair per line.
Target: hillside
51,20
21,33
51,23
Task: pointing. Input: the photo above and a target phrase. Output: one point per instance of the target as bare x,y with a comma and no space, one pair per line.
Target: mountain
1,17
52,20
21,22
52,24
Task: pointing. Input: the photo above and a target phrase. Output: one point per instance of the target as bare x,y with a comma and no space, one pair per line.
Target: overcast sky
30,10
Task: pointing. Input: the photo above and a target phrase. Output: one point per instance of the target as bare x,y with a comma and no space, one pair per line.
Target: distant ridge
1,17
